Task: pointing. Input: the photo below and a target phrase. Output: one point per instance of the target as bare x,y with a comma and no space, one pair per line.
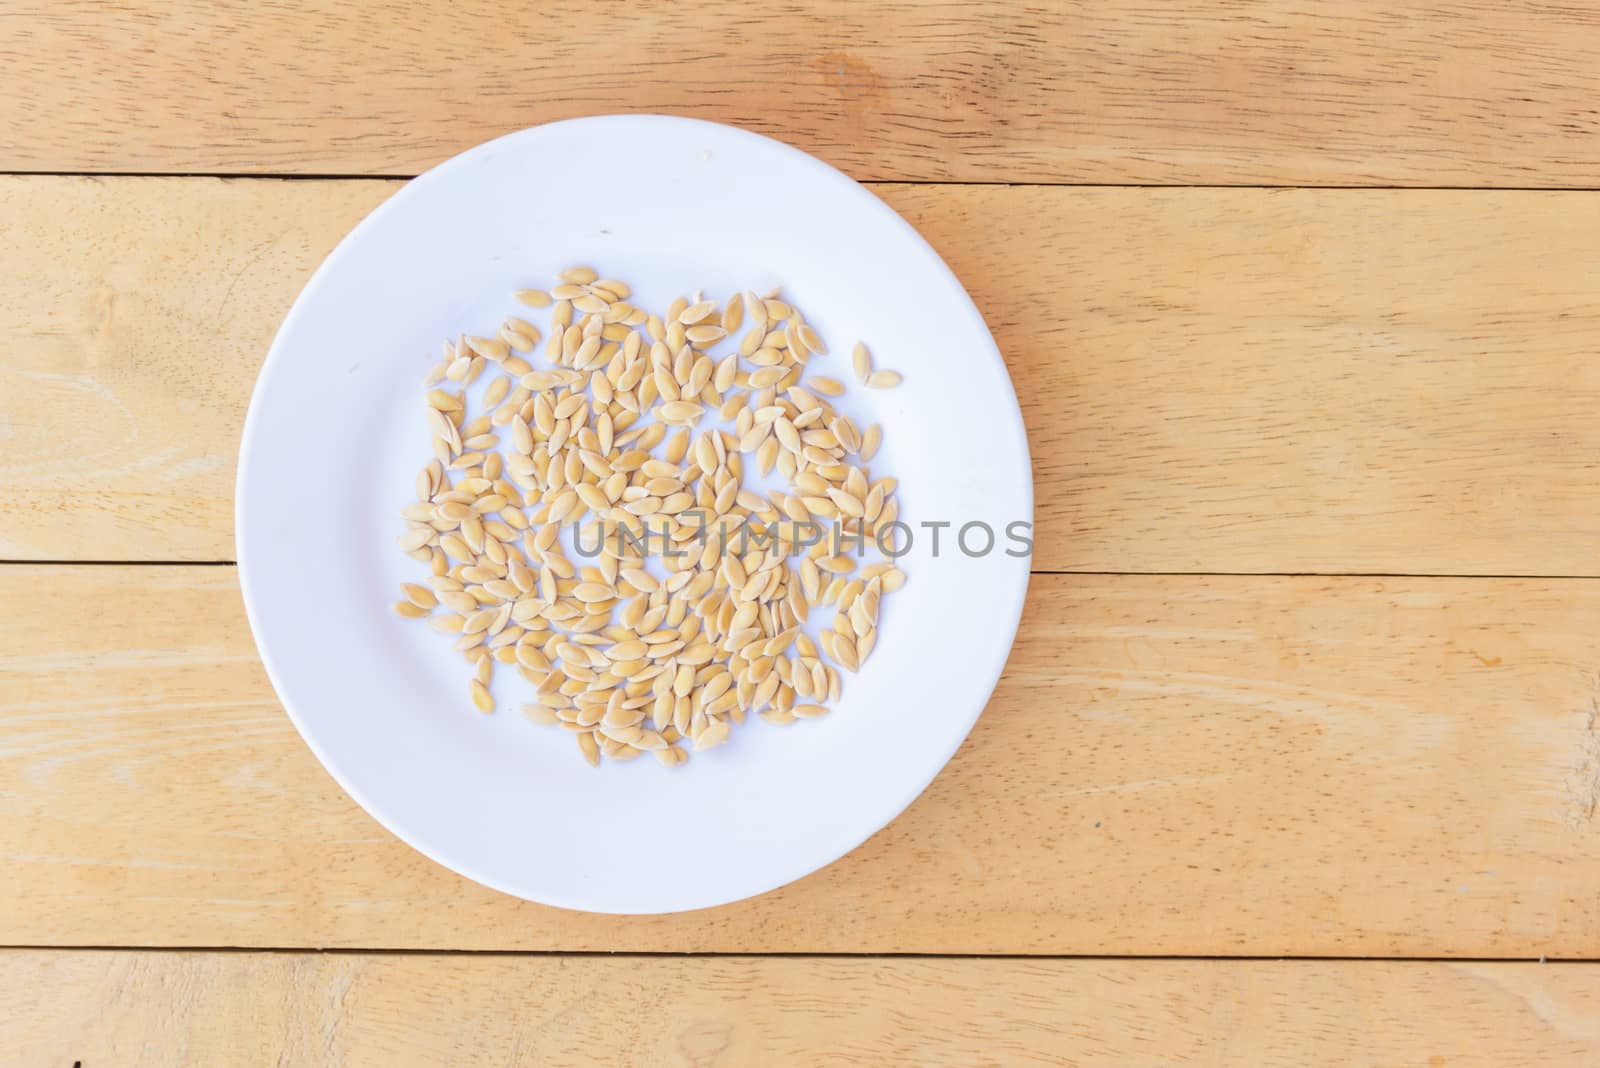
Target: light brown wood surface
1223,732
1375,381
247,1009
1364,92
1198,766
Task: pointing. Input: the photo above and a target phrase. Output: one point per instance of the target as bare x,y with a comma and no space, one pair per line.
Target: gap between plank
909,182
790,955
1085,574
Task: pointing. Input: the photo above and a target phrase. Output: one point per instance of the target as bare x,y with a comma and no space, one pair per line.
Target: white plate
335,436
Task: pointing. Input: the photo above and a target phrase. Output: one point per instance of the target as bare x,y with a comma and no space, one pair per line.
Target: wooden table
1303,303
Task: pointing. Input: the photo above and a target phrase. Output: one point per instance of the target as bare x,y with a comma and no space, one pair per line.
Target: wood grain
1477,92
1213,380
160,1009
1171,765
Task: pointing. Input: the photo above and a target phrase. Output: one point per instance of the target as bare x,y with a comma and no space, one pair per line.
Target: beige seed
696,313
750,344
490,348
787,434
883,379
445,402
415,539
578,276
767,376
586,353
733,314
794,342
497,392
861,361
420,596
767,455
847,503
680,412
871,439
649,741
542,715
713,735
705,336
811,340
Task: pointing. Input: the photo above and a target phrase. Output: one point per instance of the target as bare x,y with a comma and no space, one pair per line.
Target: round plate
335,436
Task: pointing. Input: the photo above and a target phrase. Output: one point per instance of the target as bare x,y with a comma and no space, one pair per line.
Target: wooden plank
1192,766
1481,92
1214,380
154,1008
132,357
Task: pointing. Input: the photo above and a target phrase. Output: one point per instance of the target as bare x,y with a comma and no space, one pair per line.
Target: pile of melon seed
691,614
